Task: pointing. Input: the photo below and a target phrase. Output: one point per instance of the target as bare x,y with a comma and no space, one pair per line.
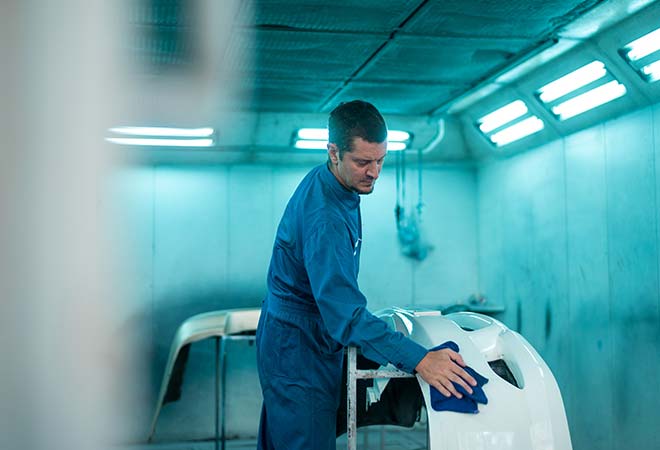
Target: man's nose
373,170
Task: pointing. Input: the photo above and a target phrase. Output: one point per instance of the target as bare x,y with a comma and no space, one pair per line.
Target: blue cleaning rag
467,404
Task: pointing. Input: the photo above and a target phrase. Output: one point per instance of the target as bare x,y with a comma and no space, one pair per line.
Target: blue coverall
314,309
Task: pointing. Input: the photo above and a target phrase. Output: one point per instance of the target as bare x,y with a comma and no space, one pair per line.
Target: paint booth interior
527,192
554,234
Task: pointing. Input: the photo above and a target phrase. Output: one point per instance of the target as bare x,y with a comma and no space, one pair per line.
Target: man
314,307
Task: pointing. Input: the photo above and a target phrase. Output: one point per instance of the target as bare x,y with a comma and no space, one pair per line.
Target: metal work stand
221,386
351,390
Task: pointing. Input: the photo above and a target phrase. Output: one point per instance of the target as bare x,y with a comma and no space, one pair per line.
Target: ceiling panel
364,16
280,95
495,18
304,55
451,60
407,98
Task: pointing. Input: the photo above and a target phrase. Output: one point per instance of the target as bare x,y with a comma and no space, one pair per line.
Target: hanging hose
398,208
420,203
408,225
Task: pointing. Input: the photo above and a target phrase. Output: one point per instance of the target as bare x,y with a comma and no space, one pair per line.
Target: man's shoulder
326,218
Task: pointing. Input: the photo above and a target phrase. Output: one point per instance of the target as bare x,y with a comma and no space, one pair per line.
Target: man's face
358,169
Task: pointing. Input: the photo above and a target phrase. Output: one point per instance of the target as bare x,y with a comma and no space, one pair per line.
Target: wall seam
655,200
655,177
226,287
567,284
477,228
152,288
603,127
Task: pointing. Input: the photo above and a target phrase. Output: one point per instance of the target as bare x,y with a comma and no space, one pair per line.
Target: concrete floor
370,438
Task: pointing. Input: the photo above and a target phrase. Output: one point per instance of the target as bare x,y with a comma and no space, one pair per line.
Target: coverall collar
349,198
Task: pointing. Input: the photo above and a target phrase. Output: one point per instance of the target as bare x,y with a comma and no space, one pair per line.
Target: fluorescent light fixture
589,100
644,46
322,134
517,131
396,146
322,145
572,81
311,144
503,115
163,142
397,136
317,139
652,71
319,134
163,131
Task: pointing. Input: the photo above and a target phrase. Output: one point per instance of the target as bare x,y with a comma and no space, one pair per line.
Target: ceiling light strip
517,131
644,46
317,139
652,71
153,142
396,146
502,116
589,100
313,133
311,144
163,131
572,81
322,134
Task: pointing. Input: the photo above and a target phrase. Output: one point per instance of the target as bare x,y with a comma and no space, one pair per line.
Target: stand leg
217,390
224,391
351,389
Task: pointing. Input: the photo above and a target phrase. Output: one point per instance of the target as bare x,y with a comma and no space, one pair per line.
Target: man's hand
439,368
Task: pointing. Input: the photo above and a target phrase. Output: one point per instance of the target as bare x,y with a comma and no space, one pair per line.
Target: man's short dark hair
353,119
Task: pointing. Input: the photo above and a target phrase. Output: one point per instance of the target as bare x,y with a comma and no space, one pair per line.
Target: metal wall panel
190,242
588,291
490,218
450,225
386,278
448,274
549,282
536,249
633,259
518,246
190,276
656,148
251,234
285,182
604,231
131,213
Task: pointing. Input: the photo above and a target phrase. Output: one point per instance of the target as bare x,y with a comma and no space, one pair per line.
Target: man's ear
333,153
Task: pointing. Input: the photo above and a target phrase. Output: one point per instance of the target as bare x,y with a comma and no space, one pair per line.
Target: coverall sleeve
331,267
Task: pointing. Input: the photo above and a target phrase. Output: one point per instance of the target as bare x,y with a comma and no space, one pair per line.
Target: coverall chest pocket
356,242
282,351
